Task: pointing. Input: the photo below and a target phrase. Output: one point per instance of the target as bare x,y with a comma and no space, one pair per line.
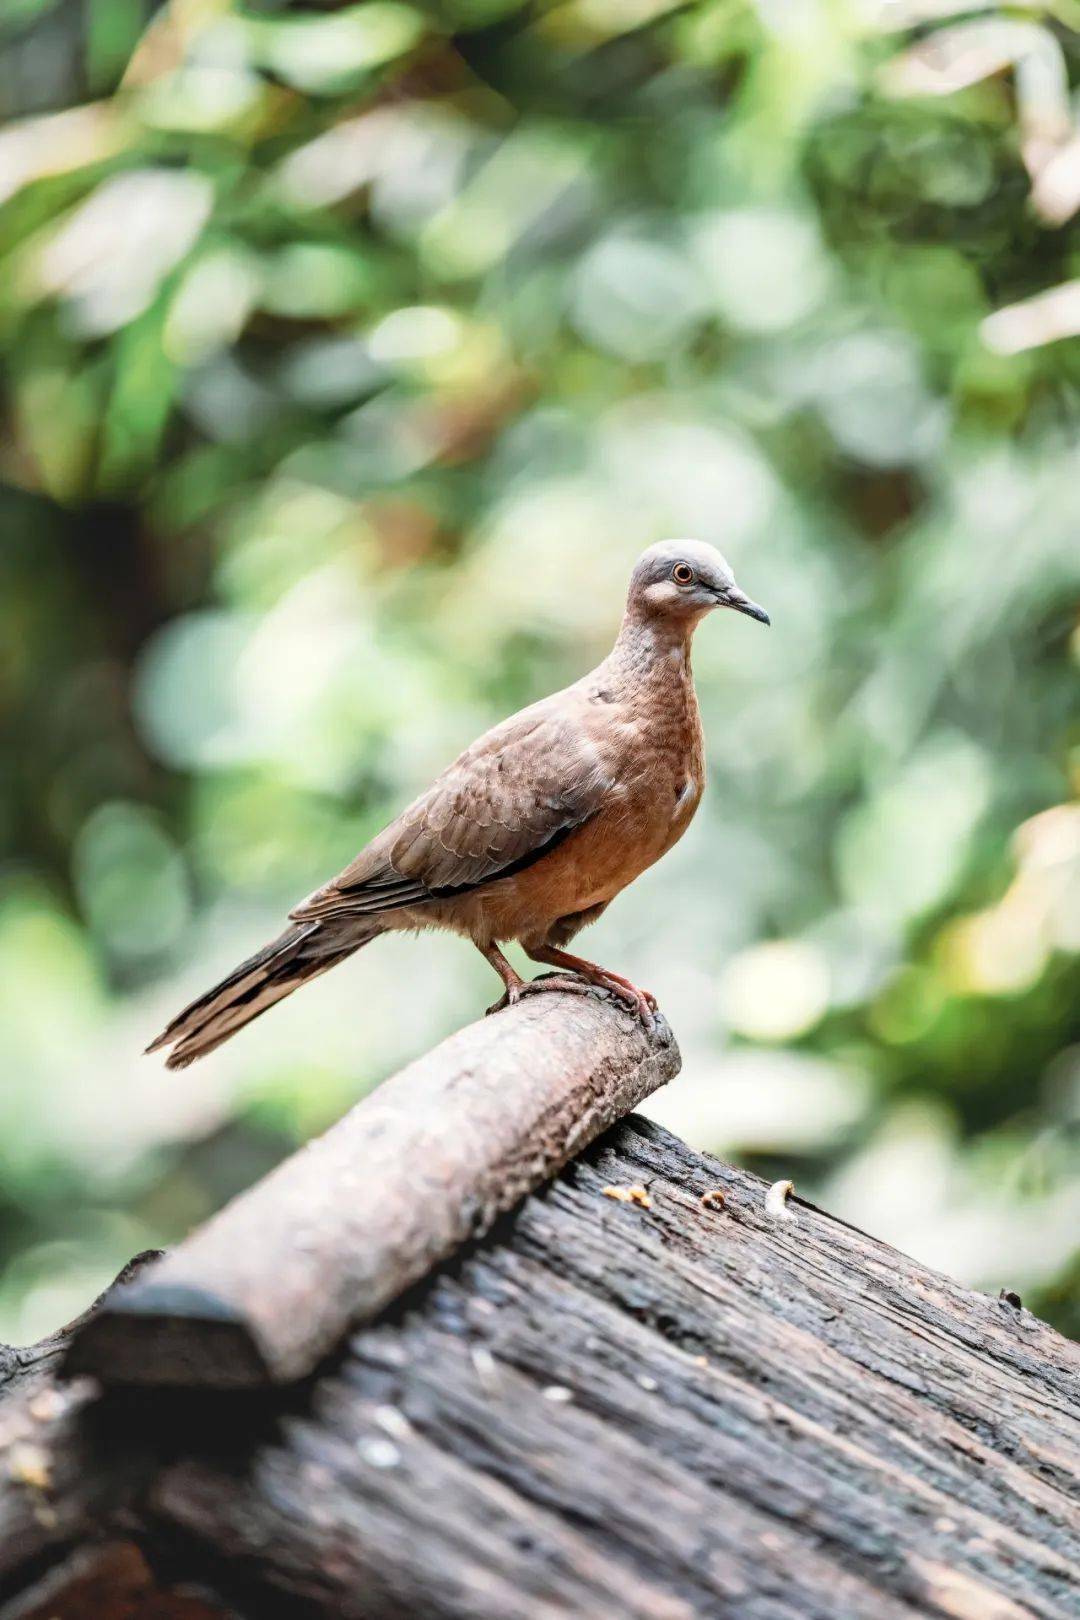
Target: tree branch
267,1289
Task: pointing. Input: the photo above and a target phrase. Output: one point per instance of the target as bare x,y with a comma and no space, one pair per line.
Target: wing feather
504,804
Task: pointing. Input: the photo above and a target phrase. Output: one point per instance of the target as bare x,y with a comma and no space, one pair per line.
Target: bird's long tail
301,953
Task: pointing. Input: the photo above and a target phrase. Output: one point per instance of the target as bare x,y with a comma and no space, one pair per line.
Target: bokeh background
350,354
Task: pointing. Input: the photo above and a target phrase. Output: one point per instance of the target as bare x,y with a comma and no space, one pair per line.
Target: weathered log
667,1412
655,1409
268,1288
108,1581
672,1407
24,1365
51,1482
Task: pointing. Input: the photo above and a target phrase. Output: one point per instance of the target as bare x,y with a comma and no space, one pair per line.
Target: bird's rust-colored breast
651,745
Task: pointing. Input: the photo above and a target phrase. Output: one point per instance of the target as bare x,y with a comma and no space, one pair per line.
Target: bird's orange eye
682,574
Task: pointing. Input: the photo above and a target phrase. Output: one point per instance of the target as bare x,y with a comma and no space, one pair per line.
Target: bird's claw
559,981
531,987
546,981
640,1003
509,998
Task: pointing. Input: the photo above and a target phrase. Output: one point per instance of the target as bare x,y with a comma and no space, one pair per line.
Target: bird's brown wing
505,803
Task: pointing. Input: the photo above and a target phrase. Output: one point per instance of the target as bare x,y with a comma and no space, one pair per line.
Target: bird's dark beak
734,598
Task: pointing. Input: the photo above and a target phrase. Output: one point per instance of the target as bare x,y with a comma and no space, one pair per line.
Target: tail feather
301,953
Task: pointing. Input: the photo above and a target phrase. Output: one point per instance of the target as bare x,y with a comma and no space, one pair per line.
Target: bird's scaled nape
532,831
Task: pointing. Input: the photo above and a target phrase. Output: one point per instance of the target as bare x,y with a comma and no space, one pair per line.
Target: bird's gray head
684,579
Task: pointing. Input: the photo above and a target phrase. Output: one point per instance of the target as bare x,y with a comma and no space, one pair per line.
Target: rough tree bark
262,1292
24,1365
670,1405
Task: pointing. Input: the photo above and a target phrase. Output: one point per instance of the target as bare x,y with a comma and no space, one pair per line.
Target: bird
532,831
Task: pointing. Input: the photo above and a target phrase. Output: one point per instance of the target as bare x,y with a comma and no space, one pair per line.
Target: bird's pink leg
517,987
642,1002
513,981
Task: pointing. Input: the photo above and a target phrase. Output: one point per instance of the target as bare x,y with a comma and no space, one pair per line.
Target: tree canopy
350,354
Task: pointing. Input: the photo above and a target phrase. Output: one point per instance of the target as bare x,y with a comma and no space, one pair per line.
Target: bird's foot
509,998
638,1002
558,981
546,981
642,1003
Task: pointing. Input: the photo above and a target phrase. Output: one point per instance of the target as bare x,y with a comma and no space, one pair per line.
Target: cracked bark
604,1409
269,1286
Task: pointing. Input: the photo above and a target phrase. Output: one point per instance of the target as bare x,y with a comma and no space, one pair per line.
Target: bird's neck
651,652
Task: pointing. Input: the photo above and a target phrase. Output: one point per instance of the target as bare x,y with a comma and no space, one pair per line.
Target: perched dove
533,830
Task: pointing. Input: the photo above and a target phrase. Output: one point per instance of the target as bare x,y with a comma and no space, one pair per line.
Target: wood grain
268,1288
669,1412
604,1410
23,1366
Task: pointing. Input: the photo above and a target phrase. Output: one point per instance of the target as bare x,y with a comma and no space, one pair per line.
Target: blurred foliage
350,354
